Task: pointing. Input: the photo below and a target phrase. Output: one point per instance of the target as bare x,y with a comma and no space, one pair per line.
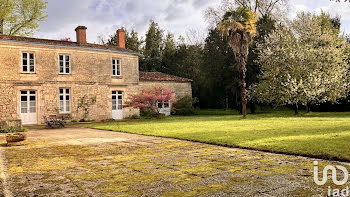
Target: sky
104,17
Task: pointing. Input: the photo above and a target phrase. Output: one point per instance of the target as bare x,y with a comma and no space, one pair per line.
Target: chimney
120,38
81,34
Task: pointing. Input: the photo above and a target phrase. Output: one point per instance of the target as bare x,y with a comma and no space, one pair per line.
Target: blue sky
103,17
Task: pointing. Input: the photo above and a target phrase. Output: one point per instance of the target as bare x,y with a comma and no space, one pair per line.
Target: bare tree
195,37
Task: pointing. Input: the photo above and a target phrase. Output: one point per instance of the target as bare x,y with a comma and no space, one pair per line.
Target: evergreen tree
152,60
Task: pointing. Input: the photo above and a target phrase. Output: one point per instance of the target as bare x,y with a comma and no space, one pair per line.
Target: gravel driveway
87,162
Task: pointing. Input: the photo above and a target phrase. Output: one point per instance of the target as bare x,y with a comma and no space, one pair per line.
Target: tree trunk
242,84
226,103
308,109
296,109
2,26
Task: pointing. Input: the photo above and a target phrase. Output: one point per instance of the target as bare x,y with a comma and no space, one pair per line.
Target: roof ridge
159,76
61,42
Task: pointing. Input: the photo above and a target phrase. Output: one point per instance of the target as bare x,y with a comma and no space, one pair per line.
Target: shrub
184,106
9,130
133,117
148,113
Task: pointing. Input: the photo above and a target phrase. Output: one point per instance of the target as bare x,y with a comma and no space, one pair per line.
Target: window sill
117,77
64,74
28,73
64,113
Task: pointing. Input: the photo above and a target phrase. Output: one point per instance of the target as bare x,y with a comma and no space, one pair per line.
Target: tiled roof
63,43
158,76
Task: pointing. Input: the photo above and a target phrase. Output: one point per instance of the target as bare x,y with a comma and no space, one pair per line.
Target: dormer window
28,63
64,64
116,67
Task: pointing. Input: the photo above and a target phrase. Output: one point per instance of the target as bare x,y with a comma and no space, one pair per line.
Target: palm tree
240,29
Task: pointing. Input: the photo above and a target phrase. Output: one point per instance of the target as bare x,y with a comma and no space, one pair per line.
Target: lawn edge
322,157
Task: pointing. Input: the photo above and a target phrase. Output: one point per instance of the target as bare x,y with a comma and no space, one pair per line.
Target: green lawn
321,135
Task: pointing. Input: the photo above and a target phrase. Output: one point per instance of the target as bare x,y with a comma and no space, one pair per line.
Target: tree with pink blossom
149,98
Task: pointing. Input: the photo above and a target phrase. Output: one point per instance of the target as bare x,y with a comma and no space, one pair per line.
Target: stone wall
6,124
91,75
8,102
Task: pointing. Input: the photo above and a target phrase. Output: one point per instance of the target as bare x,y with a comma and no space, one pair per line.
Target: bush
148,113
9,130
184,106
133,117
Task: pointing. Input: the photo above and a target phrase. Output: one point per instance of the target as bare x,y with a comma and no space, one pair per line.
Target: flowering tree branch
148,98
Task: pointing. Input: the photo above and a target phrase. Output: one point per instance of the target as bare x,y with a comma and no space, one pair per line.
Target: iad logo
333,192
334,174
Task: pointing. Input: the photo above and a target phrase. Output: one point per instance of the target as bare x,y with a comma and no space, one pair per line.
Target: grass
320,135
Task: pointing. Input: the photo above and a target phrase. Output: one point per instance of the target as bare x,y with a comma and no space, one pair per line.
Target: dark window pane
67,98
23,92
61,57
25,69
31,56
61,98
67,58
166,105
61,91
160,105
24,98
114,97
24,62
120,97
31,68
114,92
25,55
67,91
113,62
31,62
67,70
32,98
32,92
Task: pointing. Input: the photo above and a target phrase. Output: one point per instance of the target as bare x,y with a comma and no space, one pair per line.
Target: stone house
42,77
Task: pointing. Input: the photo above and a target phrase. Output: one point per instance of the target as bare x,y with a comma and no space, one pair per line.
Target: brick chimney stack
120,38
81,34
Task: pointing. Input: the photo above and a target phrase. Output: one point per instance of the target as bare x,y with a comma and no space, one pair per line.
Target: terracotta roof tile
63,43
158,76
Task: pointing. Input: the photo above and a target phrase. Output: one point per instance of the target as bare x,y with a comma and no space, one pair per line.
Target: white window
64,100
28,63
28,102
163,104
117,100
64,64
116,67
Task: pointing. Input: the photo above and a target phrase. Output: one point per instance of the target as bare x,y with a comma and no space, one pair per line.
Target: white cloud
296,8
103,17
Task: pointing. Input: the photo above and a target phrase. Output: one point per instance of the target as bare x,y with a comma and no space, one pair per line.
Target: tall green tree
153,48
303,63
240,29
21,17
218,84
